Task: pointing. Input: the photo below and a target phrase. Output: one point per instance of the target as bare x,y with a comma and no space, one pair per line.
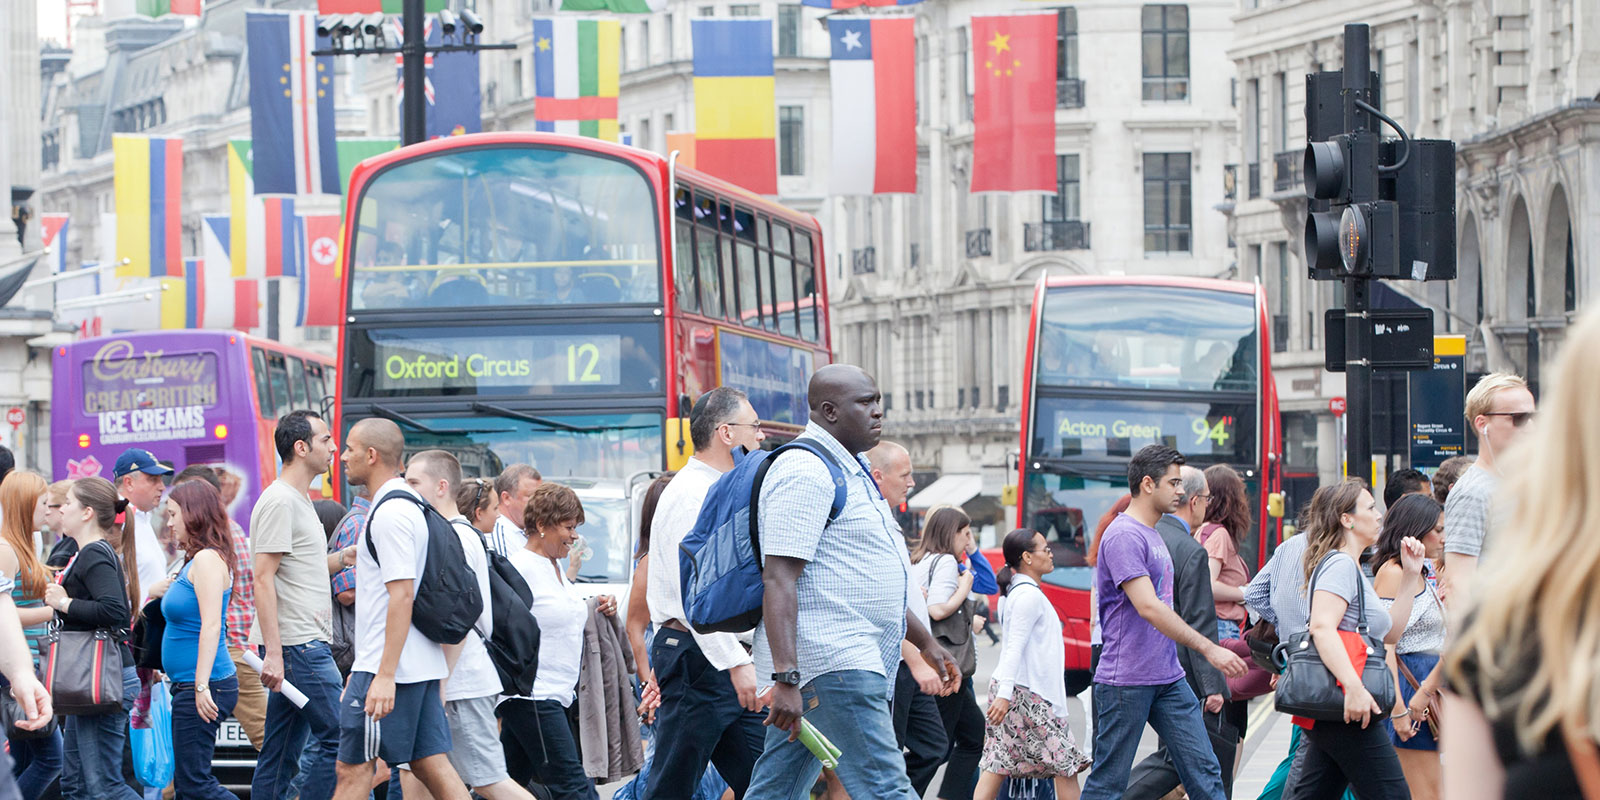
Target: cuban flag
291,105
53,230
873,77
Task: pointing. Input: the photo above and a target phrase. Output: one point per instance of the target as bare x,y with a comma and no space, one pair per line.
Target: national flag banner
276,249
106,237
614,6
684,144
147,187
53,232
451,85
157,8
246,304
576,68
216,298
735,102
1014,103
375,6
842,4
182,299
291,105
79,286
354,150
245,226
873,78
319,293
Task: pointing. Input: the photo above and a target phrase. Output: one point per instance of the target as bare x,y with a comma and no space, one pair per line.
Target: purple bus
207,397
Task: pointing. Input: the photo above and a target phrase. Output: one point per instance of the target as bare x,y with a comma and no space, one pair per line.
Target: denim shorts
415,729
1227,629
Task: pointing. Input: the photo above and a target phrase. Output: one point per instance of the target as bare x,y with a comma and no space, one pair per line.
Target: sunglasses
1518,418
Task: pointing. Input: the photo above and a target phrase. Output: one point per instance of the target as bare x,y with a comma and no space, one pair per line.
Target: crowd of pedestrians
321,629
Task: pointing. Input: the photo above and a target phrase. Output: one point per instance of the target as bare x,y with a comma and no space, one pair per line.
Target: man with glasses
1155,776
1498,408
710,711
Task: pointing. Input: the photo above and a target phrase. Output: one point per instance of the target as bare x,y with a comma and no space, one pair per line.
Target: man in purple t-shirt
1139,678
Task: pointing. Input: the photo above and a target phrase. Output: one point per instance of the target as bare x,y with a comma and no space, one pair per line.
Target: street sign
1336,406
1401,339
16,417
1438,398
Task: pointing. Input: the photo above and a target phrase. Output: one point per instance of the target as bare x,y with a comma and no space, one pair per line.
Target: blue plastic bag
153,761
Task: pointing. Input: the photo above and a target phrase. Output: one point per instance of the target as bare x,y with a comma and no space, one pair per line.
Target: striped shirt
33,633
507,537
347,534
852,592
1277,592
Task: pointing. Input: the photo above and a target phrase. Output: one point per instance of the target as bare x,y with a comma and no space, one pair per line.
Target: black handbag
955,633
1307,689
11,714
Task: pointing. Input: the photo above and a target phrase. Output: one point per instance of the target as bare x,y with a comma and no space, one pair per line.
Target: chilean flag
873,75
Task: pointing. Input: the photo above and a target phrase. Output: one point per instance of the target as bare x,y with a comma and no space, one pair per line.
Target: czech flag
873,77
291,105
838,4
735,105
1014,103
53,231
216,301
147,177
576,67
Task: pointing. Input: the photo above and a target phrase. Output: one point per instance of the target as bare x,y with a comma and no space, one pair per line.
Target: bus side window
683,269
315,388
783,278
278,379
258,361
744,230
705,244
297,385
806,286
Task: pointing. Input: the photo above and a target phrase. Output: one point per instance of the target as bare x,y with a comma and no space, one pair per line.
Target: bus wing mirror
1008,494
1275,505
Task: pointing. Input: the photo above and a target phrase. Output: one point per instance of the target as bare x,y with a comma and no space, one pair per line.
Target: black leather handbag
1307,689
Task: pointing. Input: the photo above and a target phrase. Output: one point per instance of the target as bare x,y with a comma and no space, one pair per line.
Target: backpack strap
372,514
841,488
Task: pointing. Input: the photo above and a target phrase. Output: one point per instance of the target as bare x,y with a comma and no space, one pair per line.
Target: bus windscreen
506,226
1146,337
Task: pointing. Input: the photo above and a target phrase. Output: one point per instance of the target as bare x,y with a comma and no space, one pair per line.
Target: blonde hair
1480,400
1532,621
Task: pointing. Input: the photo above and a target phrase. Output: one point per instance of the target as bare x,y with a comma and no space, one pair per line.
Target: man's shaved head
891,468
833,381
383,437
888,455
845,402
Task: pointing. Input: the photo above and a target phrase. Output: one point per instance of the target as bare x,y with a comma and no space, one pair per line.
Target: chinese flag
1014,103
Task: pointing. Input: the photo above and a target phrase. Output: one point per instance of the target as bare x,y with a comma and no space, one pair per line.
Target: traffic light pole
413,53
1357,288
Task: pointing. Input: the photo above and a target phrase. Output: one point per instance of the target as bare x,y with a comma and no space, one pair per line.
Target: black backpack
513,644
446,604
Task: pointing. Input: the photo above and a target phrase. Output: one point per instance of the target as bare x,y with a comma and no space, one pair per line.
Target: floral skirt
1030,741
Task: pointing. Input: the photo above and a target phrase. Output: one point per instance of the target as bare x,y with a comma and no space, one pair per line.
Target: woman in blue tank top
193,650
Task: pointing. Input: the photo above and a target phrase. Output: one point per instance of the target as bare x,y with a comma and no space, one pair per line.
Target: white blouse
562,615
1031,654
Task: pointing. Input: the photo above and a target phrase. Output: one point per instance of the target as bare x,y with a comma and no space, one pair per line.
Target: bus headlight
221,431
83,440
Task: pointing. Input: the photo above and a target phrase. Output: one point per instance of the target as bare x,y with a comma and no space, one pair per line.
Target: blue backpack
719,567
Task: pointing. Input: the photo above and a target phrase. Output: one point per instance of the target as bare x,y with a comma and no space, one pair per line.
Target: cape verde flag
873,78
291,105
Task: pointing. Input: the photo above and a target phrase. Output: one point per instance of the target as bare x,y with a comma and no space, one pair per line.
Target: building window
1166,53
1166,203
1283,112
744,10
708,11
1066,44
668,123
966,73
791,140
516,79
788,31
643,138
644,43
1063,205
667,23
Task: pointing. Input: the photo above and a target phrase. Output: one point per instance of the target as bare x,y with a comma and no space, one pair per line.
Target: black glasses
478,498
1518,418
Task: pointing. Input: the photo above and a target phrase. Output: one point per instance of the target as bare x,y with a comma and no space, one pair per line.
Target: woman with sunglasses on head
1414,516
23,508
1027,735
477,501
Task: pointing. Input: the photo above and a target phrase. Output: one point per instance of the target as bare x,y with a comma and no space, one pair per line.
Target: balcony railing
1230,182
1056,235
978,243
1253,178
1286,170
864,260
1069,93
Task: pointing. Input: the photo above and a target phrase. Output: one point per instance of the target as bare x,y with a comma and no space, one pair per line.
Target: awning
948,490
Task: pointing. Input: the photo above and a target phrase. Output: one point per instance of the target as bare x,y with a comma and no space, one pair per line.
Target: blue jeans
700,721
38,763
1172,710
93,745
194,741
311,669
1227,629
851,708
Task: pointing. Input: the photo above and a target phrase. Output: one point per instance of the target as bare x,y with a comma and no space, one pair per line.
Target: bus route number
582,363
1218,432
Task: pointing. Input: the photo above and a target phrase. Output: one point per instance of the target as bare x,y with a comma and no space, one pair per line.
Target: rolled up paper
294,695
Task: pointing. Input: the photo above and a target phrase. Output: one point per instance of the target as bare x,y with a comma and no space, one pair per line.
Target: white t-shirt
400,533
474,675
152,558
507,537
561,614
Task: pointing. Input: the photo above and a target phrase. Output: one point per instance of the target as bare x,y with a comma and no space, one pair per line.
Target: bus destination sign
1094,427
408,364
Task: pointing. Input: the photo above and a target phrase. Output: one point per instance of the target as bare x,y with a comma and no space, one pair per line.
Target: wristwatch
792,677
202,687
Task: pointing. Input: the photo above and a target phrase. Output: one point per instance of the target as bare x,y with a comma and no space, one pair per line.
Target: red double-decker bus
561,302
1117,363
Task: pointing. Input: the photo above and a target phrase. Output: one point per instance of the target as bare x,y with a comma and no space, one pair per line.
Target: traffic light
1351,235
1425,190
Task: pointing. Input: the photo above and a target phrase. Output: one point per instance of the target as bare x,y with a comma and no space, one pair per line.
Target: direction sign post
1336,406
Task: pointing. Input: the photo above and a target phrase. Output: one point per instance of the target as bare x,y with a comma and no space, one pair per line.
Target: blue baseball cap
135,459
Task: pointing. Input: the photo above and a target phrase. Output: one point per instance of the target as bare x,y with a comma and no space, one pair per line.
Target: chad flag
147,178
734,102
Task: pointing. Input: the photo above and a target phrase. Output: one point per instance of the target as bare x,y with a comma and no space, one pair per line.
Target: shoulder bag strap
1361,593
1585,759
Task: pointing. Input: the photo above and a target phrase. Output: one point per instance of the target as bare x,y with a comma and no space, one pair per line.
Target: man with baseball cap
138,478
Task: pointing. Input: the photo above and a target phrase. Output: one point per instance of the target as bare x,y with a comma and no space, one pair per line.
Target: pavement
1265,745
